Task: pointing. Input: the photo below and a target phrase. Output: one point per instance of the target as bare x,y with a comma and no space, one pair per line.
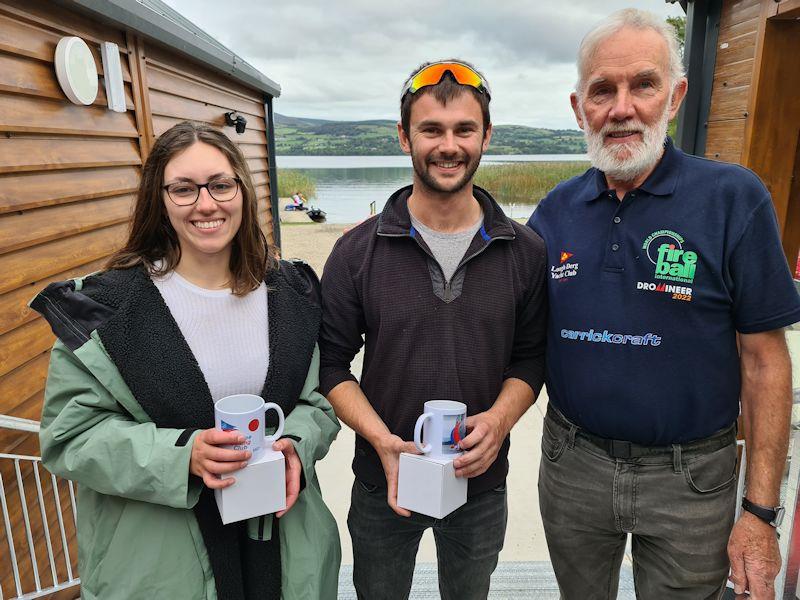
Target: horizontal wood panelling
250,136
728,102
738,12
17,386
14,309
58,18
18,154
737,74
170,60
261,178
253,150
22,75
24,343
739,48
33,190
182,108
789,9
178,85
26,39
35,115
33,227
739,29
257,165
724,140
22,442
34,264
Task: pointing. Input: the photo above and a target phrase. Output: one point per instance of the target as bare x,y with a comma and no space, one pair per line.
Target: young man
660,264
450,296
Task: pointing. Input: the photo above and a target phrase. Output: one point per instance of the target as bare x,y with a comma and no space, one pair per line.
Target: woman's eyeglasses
184,193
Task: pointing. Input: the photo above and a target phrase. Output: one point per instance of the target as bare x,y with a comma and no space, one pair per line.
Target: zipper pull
447,291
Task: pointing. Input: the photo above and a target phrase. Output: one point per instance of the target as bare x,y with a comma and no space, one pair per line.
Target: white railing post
18,460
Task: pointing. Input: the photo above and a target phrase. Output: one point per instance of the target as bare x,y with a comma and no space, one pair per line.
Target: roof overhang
159,22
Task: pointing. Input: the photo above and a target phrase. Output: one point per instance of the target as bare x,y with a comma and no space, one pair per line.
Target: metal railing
52,572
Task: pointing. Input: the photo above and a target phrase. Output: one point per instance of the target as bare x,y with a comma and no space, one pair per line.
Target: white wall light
112,75
76,70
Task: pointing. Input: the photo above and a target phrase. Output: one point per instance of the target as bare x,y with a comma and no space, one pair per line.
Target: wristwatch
770,515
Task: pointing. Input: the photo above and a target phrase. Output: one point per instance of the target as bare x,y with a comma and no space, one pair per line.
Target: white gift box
260,489
429,486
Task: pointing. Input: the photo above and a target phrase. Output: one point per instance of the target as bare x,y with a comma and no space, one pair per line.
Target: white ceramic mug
440,429
245,413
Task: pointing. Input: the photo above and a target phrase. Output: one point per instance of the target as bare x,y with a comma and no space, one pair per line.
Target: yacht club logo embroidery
565,269
665,249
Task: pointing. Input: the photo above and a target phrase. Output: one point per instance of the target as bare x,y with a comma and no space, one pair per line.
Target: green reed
526,182
291,181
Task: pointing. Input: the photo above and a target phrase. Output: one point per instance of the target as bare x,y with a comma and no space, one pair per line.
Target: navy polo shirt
647,294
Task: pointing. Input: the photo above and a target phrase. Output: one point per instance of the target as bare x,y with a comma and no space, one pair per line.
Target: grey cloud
348,59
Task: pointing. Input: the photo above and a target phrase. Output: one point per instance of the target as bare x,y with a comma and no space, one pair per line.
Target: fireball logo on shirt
665,249
565,269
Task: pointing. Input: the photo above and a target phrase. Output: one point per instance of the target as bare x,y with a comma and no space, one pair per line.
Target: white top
227,334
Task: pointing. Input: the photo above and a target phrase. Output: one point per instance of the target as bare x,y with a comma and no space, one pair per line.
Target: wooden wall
68,176
730,92
754,117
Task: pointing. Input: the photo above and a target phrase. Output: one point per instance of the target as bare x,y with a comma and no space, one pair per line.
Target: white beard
639,156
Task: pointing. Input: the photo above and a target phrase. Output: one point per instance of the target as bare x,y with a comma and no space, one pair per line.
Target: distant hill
297,136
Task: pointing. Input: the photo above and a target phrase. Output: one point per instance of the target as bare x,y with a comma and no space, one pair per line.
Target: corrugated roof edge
158,21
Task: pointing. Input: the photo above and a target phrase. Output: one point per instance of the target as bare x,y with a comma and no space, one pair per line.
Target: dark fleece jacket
426,338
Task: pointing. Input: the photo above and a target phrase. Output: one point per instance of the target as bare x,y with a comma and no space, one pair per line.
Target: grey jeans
468,541
678,507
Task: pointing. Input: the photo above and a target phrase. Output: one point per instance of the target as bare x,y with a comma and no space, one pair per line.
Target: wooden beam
774,126
141,95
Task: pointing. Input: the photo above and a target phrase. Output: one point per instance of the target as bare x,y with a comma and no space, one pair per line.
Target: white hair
634,19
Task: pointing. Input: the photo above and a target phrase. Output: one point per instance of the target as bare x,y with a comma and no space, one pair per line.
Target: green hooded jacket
137,534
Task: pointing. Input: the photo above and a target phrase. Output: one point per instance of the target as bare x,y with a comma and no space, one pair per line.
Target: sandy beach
525,540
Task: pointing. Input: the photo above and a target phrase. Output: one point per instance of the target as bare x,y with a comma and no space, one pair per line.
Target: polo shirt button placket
617,220
615,247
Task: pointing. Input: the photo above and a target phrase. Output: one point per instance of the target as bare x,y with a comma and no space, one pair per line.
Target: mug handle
279,431
418,433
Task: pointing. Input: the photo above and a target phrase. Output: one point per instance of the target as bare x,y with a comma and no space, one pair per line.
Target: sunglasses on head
432,74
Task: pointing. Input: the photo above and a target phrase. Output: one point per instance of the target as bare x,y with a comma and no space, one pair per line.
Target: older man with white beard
668,295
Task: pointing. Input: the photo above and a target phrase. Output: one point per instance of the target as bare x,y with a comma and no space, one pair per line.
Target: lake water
346,185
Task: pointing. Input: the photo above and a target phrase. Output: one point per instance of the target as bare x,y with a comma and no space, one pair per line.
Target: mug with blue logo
440,429
245,413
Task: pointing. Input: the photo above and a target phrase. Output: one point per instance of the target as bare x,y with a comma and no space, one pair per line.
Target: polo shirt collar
661,182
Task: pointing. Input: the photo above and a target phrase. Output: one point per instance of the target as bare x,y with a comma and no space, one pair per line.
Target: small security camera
233,119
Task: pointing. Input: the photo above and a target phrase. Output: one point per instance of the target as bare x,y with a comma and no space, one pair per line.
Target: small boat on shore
317,215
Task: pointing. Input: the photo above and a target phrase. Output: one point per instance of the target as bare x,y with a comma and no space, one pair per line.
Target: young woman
193,308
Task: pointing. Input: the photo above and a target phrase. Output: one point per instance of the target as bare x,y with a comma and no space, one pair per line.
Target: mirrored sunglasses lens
433,74
464,75
428,76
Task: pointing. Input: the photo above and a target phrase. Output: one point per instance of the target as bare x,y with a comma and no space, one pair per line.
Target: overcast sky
347,59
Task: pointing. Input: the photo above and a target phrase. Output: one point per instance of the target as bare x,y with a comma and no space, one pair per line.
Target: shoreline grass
526,182
292,180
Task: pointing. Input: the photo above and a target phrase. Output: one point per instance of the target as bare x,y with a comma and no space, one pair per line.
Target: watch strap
765,513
